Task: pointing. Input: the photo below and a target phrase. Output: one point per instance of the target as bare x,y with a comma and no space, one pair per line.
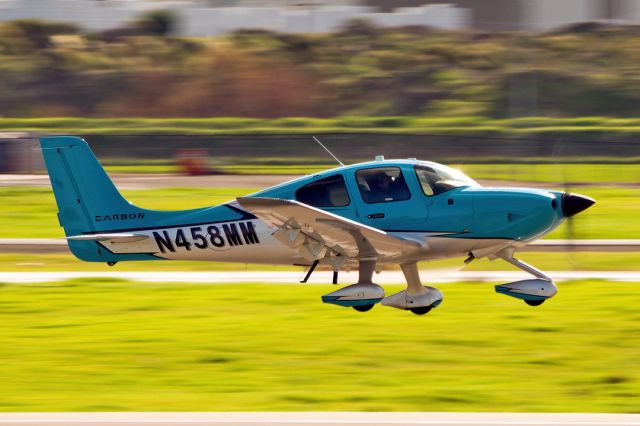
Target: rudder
84,192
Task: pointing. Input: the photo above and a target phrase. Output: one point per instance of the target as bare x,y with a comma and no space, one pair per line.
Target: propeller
572,203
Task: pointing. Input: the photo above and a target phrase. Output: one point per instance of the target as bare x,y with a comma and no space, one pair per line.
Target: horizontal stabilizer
113,238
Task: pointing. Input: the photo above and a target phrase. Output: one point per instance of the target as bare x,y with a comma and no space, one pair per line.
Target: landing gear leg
533,291
417,298
366,268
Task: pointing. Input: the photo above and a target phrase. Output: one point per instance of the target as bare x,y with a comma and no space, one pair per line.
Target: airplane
361,216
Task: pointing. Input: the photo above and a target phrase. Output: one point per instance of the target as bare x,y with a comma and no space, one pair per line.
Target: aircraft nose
573,204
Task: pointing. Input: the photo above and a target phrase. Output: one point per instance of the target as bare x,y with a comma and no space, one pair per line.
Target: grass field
552,173
582,173
91,345
30,212
479,126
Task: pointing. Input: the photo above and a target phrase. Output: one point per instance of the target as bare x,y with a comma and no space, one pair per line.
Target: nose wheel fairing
533,290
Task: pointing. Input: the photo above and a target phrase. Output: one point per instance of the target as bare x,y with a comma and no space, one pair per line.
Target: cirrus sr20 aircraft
358,216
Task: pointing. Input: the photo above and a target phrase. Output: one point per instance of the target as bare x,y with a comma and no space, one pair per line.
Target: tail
83,190
89,203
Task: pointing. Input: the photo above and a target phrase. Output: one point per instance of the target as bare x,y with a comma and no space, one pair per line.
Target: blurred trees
161,22
226,82
55,70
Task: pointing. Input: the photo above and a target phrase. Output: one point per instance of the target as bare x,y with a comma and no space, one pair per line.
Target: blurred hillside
49,70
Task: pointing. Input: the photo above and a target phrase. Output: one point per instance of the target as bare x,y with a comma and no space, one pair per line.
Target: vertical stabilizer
82,188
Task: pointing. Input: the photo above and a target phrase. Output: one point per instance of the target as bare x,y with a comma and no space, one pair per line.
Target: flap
311,229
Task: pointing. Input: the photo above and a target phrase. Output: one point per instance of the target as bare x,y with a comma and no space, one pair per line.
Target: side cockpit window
326,192
435,181
382,184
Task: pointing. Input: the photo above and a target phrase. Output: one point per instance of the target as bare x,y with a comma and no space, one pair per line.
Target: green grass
27,212
38,262
577,127
583,261
552,173
615,215
555,173
104,345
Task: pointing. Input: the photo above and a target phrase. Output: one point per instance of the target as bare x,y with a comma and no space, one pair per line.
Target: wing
319,234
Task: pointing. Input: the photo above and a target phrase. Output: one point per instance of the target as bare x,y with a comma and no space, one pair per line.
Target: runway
319,277
59,245
317,419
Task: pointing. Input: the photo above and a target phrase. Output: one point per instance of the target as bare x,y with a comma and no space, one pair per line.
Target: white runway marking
59,245
317,419
319,277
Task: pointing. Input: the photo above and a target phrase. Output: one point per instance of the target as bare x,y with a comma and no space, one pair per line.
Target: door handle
376,216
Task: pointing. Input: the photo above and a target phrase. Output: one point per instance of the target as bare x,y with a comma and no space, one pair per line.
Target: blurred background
193,103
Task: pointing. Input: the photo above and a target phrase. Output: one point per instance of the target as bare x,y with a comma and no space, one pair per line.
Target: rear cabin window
382,184
326,192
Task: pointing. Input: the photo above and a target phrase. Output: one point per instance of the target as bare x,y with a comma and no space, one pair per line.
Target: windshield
436,179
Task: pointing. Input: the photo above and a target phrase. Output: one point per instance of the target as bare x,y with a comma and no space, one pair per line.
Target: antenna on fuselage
327,149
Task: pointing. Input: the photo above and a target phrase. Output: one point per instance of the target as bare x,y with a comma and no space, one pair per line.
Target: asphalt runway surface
59,245
318,277
317,419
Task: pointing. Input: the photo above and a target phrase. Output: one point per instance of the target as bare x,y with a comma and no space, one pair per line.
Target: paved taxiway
316,419
59,245
323,277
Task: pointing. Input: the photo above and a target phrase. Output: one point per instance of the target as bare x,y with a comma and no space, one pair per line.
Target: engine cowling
533,290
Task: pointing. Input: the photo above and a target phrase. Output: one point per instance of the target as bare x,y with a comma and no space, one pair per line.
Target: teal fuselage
424,199
467,211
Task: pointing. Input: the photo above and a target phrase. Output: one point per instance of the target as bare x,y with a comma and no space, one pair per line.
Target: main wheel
421,310
534,302
363,308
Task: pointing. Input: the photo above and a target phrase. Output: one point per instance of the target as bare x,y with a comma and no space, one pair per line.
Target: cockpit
382,184
379,190
437,179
